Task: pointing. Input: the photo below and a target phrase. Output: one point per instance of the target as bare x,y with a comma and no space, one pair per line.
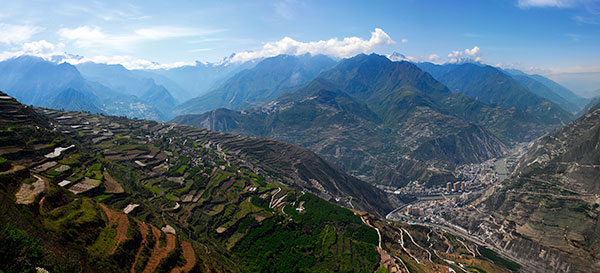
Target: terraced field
216,193
143,196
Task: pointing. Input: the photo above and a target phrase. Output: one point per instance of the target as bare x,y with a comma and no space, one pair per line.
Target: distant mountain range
261,84
360,119
197,79
493,86
43,83
397,120
386,121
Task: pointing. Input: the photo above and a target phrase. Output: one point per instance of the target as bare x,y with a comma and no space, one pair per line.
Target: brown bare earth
112,186
190,258
144,231
122,225
28,192
15,168
10,150
159,252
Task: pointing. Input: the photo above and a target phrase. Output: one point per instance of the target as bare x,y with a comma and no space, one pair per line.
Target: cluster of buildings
415,210
456,186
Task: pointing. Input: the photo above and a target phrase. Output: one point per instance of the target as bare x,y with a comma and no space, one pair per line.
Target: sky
557,38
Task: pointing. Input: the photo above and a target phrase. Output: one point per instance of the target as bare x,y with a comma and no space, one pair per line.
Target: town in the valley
429,202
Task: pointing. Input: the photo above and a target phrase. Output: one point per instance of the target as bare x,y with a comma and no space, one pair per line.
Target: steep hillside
74,100
89,193
546,213
138,196
256,86
159,97
593,103
410,130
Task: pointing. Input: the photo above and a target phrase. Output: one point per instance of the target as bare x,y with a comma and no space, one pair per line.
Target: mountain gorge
373,136
399,124
84,192
546,213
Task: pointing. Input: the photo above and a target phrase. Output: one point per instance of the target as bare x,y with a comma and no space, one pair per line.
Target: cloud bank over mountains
333,47
90,36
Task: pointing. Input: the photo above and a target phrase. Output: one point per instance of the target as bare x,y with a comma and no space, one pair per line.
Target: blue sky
551,37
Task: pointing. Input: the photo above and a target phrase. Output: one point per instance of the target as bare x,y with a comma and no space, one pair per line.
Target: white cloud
433,58
42,48
10,34
93,36
347,47
473,54
404,41
396,57
55,53
84,36
128,62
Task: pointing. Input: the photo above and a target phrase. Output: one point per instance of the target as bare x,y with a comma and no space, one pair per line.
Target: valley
147,196
295,162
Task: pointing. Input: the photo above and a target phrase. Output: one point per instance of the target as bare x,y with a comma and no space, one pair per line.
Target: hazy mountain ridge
73,100
35,81
543,91
43,83
492,86
561,90
258,85
316,115
199,78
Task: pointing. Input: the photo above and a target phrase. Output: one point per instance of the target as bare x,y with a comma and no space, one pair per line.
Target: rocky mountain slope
546,213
